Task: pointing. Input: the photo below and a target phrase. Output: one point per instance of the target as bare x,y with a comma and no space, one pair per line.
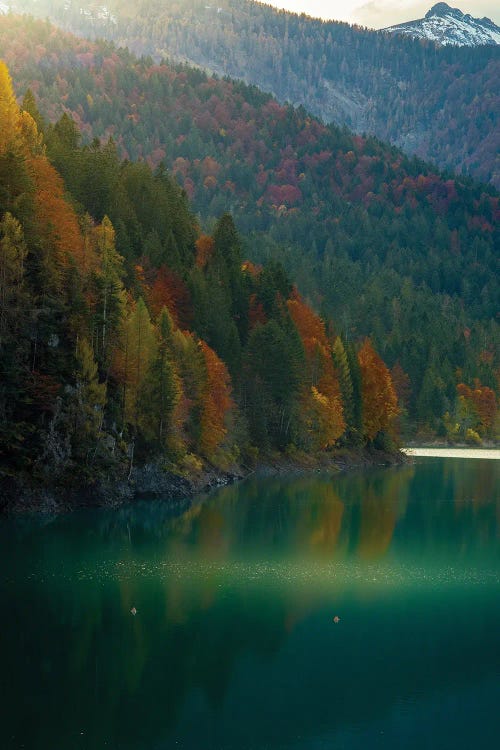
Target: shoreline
20,496
459,452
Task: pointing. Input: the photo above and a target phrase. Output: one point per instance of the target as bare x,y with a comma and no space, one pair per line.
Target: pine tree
15,304
89,403
32,139
161,391
133,361
356,379
13,294
225,266
29,105
272,385
109,309
431,401
344,374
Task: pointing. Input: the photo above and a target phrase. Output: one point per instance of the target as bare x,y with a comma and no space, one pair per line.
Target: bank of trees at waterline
385,246
126,333
138,336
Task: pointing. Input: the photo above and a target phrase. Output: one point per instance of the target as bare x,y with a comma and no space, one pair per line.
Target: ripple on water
282,573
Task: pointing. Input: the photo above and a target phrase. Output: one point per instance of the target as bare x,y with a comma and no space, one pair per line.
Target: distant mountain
445,25
384,244
439,103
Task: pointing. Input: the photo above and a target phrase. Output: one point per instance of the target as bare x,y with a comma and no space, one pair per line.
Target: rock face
445,25
21,495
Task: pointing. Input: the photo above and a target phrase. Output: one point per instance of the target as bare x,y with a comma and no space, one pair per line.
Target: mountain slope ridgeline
440,103
384,245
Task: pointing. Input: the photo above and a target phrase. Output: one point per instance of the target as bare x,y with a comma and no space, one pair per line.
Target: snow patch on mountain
445,25
91,10
99,12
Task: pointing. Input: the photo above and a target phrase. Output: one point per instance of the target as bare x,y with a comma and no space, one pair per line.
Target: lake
234,645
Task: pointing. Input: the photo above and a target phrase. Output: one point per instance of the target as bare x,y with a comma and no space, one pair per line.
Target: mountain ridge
105,358
445,25
440,103
385,245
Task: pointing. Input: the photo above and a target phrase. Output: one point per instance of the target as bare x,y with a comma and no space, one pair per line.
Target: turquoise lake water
233,645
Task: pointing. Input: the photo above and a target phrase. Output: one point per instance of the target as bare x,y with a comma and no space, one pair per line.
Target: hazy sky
380,13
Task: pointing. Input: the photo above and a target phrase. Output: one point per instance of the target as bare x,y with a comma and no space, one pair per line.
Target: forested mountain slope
384,245
144,339
440,103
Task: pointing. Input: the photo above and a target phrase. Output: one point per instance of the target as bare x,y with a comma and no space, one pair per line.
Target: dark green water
233,646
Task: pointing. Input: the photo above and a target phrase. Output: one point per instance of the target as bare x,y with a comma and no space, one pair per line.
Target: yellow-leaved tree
9,111
133,361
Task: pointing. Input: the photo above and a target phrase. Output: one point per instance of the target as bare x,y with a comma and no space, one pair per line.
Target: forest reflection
332,518
219,596
307,516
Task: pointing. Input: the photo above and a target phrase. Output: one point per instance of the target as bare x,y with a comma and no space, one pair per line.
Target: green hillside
440,103
384,245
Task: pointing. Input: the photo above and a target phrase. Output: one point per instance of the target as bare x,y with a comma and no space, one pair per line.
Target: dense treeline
384,245
126,333
439,103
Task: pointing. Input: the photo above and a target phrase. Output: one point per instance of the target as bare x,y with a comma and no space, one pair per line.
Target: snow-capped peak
445,25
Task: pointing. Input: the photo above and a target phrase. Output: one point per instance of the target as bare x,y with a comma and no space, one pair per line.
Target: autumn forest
249,379
193,273
181,349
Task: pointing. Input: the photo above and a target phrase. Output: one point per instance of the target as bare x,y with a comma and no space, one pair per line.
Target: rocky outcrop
21,494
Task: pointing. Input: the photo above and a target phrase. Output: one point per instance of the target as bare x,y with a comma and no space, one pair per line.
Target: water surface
234,646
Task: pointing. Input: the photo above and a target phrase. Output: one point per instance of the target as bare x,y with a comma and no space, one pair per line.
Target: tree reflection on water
233,643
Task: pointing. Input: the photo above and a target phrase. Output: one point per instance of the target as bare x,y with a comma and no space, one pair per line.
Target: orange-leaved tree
216,403
204,249
170,291
323,407
56,221
380,404
483,401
